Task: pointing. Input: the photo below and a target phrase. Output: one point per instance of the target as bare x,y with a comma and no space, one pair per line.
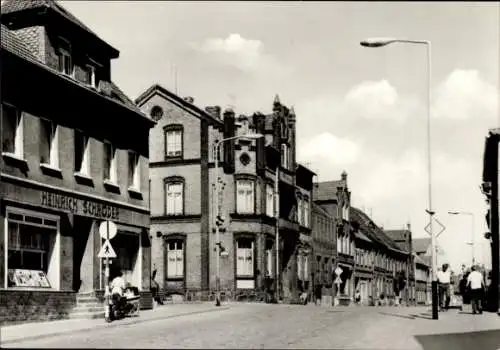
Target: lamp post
471,243
216,147
379,42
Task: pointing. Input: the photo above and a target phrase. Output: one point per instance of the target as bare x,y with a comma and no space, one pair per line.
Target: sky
362,110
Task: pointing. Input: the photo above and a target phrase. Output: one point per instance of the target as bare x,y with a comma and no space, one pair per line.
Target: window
90,78
31,260
12,131
245,203
110,168
156,113
284,156
133,171
173,143
49,143
270,201
65,62
174,194
269,261
82,153
244,258
300,210
305,210
175,259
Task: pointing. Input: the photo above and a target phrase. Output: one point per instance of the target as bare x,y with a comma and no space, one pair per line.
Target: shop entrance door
83,264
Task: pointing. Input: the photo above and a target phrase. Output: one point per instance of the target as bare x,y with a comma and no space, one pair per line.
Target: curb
111,325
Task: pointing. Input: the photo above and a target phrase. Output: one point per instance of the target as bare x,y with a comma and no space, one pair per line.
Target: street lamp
471,243
216,147
379,42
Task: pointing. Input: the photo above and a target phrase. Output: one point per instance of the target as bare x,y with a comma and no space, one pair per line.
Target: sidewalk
15,333
402,327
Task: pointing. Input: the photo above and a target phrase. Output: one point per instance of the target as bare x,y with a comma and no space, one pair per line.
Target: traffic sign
338,280
338,271
441,227
103,228
107,251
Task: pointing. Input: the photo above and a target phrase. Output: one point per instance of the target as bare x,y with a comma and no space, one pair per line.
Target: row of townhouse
362,256
74,154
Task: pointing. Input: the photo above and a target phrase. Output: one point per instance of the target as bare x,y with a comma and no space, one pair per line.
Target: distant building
183,198
74,155
324,251
334,197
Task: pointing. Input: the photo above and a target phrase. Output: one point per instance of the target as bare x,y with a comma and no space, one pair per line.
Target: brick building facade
64,169
183,179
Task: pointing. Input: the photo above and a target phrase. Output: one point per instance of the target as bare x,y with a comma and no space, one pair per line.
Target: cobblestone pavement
287,326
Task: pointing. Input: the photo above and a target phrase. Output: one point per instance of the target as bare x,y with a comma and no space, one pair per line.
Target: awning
130,230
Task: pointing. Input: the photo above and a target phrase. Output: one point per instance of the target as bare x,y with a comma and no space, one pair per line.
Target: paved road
283,326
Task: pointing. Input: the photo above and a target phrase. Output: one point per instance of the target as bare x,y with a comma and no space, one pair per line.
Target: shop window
173,141
32,258
82,153
175,259
110,166
134,171
174,198
245,203
49,143
270,201
244,258
12,131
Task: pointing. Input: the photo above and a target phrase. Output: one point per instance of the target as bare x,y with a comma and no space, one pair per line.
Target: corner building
64,167
183,201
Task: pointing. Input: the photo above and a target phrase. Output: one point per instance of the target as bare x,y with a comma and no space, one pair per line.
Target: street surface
293,326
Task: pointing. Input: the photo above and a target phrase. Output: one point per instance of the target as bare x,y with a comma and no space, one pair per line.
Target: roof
360,235
12,6
397,235
188,105
422,260
372,231
318,209
420,245
327,190
16,45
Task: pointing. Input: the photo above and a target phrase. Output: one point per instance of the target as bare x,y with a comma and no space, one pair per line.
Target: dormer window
65,62
90,75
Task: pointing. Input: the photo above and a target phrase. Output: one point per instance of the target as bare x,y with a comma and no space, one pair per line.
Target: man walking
444,277
476,284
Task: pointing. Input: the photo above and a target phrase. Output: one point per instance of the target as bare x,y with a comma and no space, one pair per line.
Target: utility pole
277,230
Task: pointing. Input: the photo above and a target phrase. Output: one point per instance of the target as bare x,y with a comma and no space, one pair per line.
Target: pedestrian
444,278
475,282
357,297
155,288
317,293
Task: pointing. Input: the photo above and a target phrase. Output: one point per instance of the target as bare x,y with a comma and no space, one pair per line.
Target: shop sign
27,278
305,238
78,206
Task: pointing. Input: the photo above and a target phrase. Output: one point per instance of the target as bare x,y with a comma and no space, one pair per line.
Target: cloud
377,100
237,51
327,149
465,95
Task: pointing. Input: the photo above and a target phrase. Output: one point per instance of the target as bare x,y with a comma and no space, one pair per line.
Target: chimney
213,111
189,99
408,225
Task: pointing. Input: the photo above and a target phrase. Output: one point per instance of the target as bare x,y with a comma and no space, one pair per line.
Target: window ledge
50,170
135,193
111,186
83,178
14,158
